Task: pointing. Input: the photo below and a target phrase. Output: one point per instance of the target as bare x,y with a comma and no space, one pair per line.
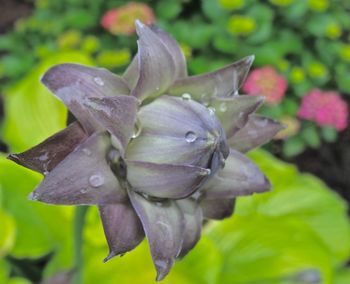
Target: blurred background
298,233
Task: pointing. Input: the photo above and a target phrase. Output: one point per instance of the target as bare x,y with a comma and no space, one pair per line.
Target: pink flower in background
266,82
325,108
122,20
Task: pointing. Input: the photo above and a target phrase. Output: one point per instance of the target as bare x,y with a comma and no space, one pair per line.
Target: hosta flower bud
157,150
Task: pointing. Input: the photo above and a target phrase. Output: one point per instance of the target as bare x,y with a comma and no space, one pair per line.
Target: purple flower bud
157,151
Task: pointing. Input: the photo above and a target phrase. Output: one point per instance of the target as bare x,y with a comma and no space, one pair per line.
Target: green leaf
293,146
168,10
7,232
310,135
343,276
32,112
329,134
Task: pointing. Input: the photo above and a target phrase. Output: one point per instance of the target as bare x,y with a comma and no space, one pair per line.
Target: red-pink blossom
325,108
122,20
266,82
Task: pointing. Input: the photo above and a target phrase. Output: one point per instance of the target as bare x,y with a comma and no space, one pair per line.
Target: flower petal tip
13,157
139,24
109,256
163,268
250,59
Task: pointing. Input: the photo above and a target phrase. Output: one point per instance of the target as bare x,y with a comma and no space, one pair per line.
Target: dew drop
196,195
223,107
137,129
86,151
99,81
211,111
205,172
33,196
84,190
96,180
261,122
190,137
235,93
45,173
186,97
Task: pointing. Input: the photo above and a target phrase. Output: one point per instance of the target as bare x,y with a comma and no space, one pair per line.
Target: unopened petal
220,83
234,112
240,176
45,156
122,227
83,177
156,66
73,83
164,228
193,224
164,180
257,131
175,51
217,209
117,114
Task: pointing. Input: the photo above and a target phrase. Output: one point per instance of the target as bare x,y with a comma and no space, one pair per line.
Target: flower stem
79,221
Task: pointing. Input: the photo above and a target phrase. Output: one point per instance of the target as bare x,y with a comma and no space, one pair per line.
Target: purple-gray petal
240,176
117,114
220,83
175,51
257,131
122,227
73,83
233,112
169,150
156,65
217,209
177,117
164,228
83,177
46,155
131,74
193,224
164,180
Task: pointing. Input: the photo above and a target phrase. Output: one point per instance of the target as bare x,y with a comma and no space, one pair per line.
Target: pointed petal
83,177
122,227
73,83
217,209
117,114
193,224
234,112
45,156
156,66
240,176
164,180
175,51
164,228
220,83
257,131
131,74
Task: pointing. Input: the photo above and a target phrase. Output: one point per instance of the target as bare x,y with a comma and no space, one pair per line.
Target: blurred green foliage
297,231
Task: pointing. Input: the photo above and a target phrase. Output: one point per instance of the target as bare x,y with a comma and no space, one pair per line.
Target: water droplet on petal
137,129
96,180
186,97
196,195
84,190
46,173
33,196
86,151
205,172
99,81
190,136
211,111
223,107
261,122
235,93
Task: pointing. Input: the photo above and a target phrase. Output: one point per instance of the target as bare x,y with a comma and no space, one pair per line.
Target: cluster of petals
326,108
120,21
156,150
266,82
